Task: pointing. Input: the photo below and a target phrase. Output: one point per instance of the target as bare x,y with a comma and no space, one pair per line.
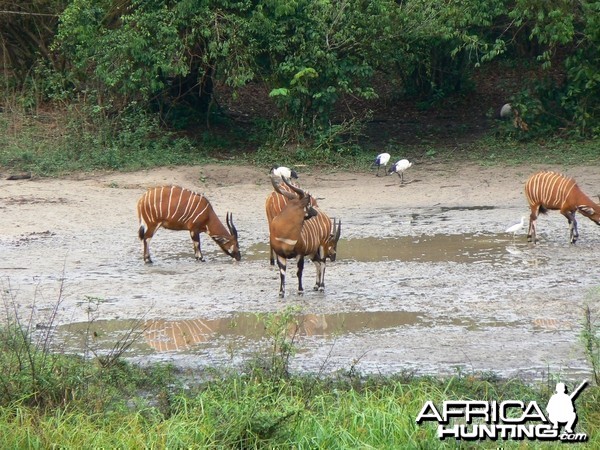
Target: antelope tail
142,232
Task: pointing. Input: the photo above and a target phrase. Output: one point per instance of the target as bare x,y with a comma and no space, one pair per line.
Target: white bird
399,167
505,111
284,171
516,227
382,160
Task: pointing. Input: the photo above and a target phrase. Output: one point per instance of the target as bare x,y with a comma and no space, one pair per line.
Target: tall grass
239,411
262,405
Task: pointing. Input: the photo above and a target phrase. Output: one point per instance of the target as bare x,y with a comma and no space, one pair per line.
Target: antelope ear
584,209
220,239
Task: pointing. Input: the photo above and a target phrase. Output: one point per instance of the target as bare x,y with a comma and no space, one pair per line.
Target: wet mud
429,288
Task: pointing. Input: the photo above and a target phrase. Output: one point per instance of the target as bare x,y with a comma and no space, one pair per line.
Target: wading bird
516,227
399,167
382,160
282,171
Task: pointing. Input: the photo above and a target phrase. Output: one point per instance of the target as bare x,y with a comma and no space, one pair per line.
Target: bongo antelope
551,190
176,208
301,230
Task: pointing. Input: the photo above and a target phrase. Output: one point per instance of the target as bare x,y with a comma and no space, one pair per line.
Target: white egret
516,227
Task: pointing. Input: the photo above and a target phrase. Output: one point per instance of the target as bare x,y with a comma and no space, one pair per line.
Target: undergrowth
58,400
54,143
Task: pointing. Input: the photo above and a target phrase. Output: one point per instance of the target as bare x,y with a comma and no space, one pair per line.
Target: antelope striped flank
275,203
177,208
553,191
299,229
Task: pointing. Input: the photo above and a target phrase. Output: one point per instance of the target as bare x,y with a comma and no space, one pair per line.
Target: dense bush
114,58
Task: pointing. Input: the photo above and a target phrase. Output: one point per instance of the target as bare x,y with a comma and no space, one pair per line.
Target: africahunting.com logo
474,420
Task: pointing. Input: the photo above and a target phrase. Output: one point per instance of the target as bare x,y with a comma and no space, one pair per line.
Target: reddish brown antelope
301,230
176,208
551,190
275,203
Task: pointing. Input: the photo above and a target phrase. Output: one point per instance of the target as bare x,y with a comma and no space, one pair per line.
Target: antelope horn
230,225
296,189
338,230
286,194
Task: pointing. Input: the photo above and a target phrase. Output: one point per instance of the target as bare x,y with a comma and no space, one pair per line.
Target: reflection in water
187,335
178,335
182,335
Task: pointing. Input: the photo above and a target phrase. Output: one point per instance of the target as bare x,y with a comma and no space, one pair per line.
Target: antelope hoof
201,258
148,261
300,291
281,294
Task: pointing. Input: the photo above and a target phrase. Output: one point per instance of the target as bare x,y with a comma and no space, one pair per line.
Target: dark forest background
305,80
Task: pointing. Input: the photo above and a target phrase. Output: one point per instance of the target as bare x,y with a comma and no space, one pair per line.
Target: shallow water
426,290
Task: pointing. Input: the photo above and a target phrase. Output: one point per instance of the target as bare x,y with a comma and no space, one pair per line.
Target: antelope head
332,241
229,244
302,196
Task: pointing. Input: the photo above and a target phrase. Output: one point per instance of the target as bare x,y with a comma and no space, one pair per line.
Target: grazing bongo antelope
551,190
301,230
176,208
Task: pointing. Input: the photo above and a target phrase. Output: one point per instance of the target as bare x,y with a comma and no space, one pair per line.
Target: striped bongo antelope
551,190
301,230
176,208
275,203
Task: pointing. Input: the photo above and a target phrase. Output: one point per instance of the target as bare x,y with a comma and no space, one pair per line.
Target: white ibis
284,171
399,167
382,160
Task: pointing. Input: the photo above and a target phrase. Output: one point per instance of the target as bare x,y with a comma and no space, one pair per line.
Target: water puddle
158,336
461,248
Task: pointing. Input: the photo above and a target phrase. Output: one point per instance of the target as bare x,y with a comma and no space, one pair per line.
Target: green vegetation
128,84
32,144
49,399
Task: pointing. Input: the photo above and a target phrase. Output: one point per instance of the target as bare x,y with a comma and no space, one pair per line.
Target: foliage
176,66
27,28
239,411
590,337
568,34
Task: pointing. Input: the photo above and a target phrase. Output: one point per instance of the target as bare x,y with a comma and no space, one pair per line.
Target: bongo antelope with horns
176,208
275,203
301,230
551,190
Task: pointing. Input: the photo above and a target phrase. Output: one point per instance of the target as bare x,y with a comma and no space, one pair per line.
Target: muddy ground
426,279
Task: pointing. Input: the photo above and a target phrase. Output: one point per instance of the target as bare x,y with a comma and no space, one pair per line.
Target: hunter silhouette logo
510,419
561,408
